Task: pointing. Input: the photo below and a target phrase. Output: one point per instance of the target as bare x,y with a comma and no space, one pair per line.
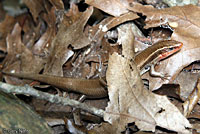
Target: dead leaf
106,128
73,128
71,31
184,20
58,4
19,58
170,90
100,48
130,102
196,127
186,87
35,7
126,39
42,46
159,35
55,35
100,29
112,7
5,27
192,100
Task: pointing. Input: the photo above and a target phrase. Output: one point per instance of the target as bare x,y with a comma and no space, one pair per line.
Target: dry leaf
5,27
126,38
73,27
130,102
31,32
186,87
54,35
170,90
106,128
73,128
43,44
185,22
19,58
99,30
70,32
35,6
112,7
192,99
58,4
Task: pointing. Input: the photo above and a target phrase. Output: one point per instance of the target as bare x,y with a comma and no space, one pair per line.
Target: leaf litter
59,38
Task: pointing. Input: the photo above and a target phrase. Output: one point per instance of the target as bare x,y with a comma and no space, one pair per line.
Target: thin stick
27,90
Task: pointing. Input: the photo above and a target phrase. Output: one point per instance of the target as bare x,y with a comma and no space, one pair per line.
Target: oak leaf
131,102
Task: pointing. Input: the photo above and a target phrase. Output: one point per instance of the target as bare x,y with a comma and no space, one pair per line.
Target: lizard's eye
170,49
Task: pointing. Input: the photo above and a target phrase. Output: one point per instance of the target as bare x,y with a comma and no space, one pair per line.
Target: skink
93,87
149,57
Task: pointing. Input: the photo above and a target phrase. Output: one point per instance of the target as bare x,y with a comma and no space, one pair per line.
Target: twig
27,90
